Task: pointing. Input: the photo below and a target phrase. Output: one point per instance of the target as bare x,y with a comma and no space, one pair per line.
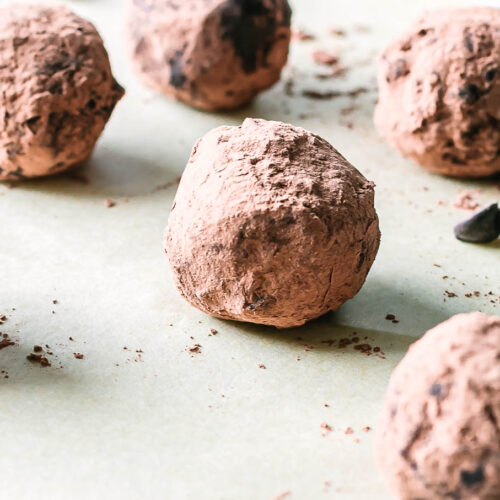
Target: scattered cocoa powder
282,495
336,32
78,355
466,200
38,358
302,35
315,94
195,348
325,58
6,341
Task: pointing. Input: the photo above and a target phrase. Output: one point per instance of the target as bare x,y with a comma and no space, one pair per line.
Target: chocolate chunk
482,227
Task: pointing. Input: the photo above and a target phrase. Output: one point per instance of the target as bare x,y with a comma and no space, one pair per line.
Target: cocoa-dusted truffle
439,85
56,90
270,225
211,54
439,436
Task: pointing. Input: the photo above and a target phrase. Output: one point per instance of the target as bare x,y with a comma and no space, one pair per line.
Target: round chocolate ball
439,436
439,86
270,225
211,54
56,90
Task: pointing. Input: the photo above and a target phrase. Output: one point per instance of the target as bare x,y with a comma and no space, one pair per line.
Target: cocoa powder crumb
37,348
6,341
349,430
325,426
466,200
283,495
325,58
336,32
366,428
195,348
302,36
315,94
108,203
213,331
78,355
38,358
262,366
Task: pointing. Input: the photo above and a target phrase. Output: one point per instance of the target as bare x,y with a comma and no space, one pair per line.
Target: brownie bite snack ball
211,54
56,90
439,436
270,225
439,92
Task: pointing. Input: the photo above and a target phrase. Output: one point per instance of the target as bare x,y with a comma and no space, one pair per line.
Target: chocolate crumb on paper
283,495
325,58
38,358
6,341
466,199
302,35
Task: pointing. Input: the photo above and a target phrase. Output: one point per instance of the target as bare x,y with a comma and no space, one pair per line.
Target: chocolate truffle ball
56,90
270,225
439,436
439,86
211,54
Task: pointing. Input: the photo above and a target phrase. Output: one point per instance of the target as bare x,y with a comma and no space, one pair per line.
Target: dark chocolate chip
482,227
470,93
470,478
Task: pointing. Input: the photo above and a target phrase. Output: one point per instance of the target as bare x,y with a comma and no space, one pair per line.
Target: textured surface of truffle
270,225
439,92
211,54
439,436
56,90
